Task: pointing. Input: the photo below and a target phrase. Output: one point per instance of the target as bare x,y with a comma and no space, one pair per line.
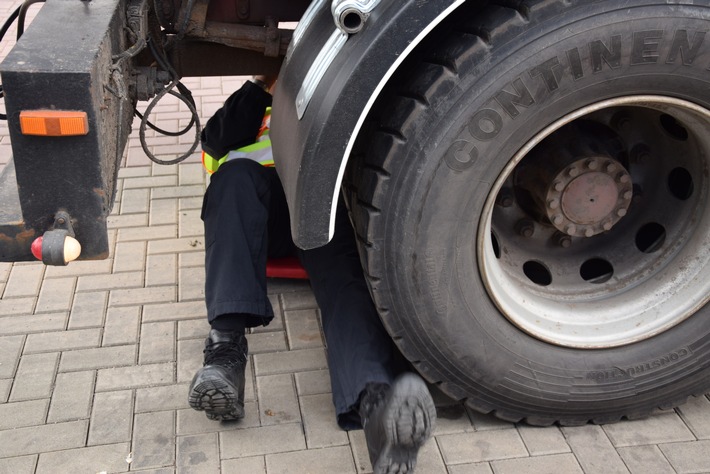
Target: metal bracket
53,241
148,81
62,221
273,39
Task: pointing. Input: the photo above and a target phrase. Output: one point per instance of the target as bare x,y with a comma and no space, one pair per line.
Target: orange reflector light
54,123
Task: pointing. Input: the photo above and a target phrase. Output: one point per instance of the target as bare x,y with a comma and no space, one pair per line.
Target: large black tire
430,197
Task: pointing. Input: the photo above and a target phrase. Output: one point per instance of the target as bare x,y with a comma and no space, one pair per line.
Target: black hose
184,95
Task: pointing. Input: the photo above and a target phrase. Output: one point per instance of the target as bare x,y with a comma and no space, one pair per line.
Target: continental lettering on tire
630,372
439,275
644,47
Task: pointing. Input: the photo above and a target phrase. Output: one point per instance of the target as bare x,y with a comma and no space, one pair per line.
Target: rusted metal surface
270,41
15,238
200,58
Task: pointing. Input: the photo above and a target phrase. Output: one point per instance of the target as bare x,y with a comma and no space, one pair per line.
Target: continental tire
533,210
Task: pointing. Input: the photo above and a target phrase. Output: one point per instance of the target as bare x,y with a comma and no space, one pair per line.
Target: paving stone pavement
95,359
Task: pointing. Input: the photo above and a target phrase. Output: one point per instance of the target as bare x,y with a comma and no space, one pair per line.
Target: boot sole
216,397
408,423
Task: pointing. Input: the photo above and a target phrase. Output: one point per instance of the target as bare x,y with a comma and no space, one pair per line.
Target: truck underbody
529,180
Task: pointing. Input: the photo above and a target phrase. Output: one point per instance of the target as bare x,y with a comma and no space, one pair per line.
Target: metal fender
342,54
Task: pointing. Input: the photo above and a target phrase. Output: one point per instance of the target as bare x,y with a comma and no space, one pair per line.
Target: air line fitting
350,15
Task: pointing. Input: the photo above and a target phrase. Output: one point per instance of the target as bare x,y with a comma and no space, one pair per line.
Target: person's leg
236,215
359,349
239,233
396,412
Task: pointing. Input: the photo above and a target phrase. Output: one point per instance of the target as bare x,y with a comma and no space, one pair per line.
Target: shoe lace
227,354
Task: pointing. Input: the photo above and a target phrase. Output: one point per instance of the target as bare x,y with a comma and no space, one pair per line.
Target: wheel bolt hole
673,128
650,237
680,183
496,245
596,270
537,273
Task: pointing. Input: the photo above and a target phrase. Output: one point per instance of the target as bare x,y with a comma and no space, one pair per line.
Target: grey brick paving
56,295
262,440
255,465
18,465
5,389
593,449
153,440
108,458
481,446
10,348
24,281
96,359
198,453
157,343
19,414
645,459
111,417
35,377
688,457
135,376
10,306
62,340
44,438
88,310
72,396
277,400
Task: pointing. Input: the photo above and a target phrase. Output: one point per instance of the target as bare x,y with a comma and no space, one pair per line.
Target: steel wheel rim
609,289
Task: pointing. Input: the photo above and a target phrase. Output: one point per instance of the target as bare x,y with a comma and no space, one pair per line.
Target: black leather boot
397,420
218,387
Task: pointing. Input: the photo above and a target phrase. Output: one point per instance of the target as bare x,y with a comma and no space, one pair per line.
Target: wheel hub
563,252
588,197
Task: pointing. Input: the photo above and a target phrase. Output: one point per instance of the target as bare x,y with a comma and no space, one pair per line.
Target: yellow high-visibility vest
259,151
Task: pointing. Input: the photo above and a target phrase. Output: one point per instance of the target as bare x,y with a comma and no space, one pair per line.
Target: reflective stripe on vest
259,152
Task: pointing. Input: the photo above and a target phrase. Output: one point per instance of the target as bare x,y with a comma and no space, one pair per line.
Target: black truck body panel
311,153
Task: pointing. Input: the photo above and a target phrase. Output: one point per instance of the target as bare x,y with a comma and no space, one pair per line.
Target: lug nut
610,167
558,186
563,240
525,228
557,219
592,164
588,232
607,225
573,172
640,153
570,229
622,178
505,198
553,203
621,212
628,195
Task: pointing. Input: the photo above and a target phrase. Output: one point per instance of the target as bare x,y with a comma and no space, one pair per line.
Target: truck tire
531,198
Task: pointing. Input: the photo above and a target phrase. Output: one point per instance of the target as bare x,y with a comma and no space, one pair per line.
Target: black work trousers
246,221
